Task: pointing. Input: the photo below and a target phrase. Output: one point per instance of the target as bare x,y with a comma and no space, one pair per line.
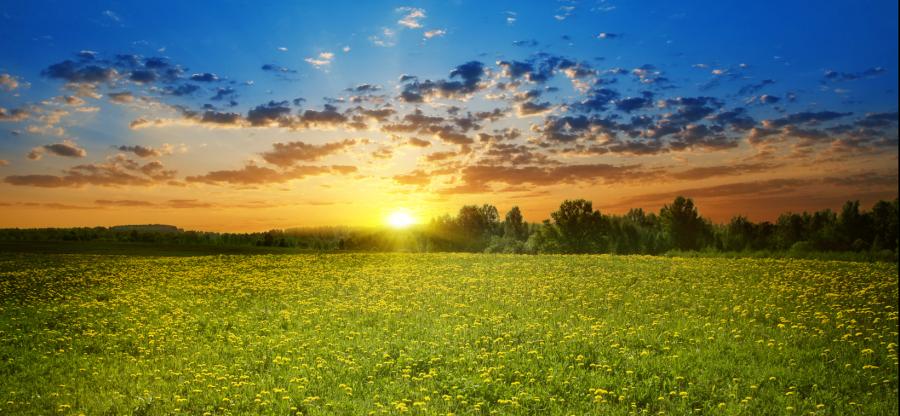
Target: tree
514,225
580,227
739,234
885,225
683,225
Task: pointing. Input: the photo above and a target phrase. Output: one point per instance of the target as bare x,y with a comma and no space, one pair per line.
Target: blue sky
783,89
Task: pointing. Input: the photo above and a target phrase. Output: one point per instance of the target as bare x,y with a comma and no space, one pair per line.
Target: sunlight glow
400,219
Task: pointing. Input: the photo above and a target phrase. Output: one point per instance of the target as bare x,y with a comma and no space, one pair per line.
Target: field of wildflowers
445,334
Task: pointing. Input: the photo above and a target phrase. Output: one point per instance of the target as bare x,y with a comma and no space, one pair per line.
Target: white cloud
436,33
322,60
412,17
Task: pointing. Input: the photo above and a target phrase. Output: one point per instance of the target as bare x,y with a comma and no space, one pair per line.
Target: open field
445,333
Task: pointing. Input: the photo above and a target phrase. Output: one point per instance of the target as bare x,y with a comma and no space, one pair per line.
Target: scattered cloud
67,148
412,17
321,61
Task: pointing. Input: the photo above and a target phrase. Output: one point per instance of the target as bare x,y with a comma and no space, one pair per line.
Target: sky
246,116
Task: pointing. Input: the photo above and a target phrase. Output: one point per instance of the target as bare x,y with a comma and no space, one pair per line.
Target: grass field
445,333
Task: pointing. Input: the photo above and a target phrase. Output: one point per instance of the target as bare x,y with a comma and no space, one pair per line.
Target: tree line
575,227
578,228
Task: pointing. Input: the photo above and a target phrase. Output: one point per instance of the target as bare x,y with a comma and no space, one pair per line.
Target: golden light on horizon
400,219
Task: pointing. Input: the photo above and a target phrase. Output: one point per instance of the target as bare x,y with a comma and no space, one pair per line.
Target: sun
400,219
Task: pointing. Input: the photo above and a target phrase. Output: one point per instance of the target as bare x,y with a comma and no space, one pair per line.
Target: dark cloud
288,154
531,108
464,80
15,114
278,69
417,142
64,149
181,90
71,71
329,116
635,103
205,77
478,177
117,171
417,177
806,117
754,88
223,118
837,76
597,99
142,151
224,93
270,113
364,88
527,43
123,97
123,203
722,170
257,175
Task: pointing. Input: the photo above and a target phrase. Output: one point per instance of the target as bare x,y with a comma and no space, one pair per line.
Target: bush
801,247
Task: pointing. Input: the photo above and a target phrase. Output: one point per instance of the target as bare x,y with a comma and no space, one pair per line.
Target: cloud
479,176
124,97
435,33
123,203
145,151
754,88
8,82
117,171
269,113
722,170
12,115
321,61
65,149
259,175
417,177
387,38
412,17
71,71
837,76
204,77
278,69
288,154
417,142
469,76
806,117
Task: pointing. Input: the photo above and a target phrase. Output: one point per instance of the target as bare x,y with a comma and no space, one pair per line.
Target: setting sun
400,219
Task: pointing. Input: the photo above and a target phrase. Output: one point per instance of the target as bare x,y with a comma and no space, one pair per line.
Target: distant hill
148,228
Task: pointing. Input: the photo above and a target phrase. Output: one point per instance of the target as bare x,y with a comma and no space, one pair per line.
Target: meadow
445,334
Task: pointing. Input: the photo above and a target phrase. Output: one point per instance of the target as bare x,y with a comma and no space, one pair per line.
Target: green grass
445,333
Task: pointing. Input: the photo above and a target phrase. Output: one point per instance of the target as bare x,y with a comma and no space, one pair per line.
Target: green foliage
468,334
573,228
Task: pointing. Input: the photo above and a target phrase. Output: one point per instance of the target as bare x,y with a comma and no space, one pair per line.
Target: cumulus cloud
65,149
15,114
321,61
259,175
477,177
116,171
288,154
412,17
434,33
8,82
146,151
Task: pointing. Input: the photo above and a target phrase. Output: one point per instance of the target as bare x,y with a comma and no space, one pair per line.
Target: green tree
684,227
580,228
514,225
